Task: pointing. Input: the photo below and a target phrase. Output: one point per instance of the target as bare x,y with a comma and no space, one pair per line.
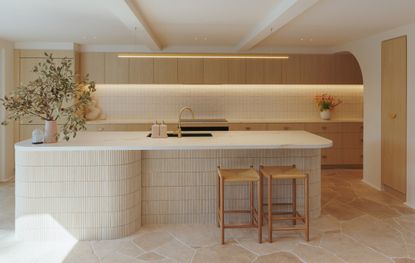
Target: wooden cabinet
255,71
236,71
298,69
273,71
248,127
93,64
215,71
285,126
323,127
141,71
347,69
165,71
190,70
116,69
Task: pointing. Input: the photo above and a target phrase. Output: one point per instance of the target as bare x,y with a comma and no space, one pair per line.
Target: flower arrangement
326,102
55,94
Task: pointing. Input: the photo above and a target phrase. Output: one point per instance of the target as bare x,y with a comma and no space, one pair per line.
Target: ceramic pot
325,114
51,132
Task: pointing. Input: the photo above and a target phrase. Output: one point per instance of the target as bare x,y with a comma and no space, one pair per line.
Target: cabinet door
331,157
393,102
323,127
215,71
165,70
291,73
248,127
236,71
317,69
273,69
255,71
190,70
116,69
285,126
141,70
93,64
347,69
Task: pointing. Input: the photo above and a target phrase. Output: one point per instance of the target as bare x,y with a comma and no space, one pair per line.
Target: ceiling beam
131,16
155,43
283,13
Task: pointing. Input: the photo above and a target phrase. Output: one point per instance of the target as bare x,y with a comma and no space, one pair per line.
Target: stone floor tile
376,234
280,257
118,258
373,208
196,235
130,249
229,253
176,250
311,254
150,256
404,260
350,250
342,211
278,244
152,240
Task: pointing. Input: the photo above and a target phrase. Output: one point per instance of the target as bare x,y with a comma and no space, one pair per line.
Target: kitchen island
105,185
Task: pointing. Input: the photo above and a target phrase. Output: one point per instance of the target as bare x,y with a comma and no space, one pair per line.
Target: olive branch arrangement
53,95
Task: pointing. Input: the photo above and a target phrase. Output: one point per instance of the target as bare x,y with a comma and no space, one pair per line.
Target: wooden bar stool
240,175
281,173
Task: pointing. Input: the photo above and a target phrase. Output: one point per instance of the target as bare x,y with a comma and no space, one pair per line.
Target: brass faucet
179,130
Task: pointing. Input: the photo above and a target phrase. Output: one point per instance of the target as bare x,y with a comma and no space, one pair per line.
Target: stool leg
251,201
259,218
222,211
270,209
306,209
294,200
218,200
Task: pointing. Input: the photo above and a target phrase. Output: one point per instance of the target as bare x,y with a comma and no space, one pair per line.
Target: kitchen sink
188,134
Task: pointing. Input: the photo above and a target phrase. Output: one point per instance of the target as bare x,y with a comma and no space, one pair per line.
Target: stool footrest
288,229
275,204
240,226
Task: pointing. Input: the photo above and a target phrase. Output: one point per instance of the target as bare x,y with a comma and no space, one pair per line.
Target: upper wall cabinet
215,71
165,70
339,68
237,71
347,69
116,69
93,64
190,70
141,71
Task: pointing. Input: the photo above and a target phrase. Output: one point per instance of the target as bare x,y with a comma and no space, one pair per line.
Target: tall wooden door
394,81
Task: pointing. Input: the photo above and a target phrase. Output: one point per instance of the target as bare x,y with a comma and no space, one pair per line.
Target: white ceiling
203,24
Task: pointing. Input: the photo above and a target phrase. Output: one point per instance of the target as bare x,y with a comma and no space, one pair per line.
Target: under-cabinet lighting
195,55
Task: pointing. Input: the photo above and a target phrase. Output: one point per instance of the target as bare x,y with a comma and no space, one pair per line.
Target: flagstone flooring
358,224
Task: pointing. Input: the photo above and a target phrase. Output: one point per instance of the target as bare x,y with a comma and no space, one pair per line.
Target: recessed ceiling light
302,39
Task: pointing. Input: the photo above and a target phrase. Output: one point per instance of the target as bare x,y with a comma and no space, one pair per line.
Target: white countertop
86,141
170,121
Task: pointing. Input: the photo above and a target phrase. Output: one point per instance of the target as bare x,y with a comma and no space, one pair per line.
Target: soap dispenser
163,130
155,130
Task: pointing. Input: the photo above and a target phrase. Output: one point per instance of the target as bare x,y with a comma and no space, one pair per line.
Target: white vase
51,132
325,114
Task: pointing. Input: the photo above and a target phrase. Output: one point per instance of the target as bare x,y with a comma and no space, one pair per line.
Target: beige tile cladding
84,195
180,186
229,101
109,194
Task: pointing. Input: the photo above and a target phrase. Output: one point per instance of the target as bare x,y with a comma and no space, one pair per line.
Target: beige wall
6,132
368,53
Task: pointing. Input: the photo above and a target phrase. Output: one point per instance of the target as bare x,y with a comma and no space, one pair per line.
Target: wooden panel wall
298,69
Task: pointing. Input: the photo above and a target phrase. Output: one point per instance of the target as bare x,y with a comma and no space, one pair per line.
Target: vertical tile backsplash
248,102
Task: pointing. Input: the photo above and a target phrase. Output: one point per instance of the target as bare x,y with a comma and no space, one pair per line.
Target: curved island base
95,194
